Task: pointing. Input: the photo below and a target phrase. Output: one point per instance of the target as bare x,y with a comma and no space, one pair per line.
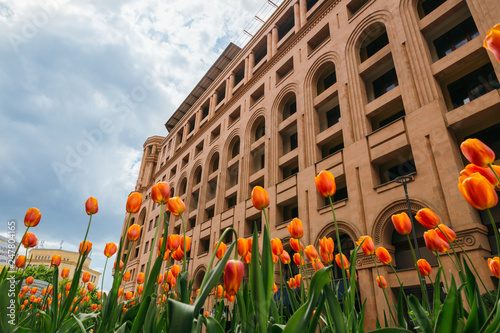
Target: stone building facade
43,257
368,89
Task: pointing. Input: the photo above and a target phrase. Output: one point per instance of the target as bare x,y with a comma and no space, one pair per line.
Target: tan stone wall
431,130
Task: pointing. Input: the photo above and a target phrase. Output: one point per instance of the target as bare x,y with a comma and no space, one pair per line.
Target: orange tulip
219,291
366,245
65,273
134,232
325,182
110,249
126,276
434,242
178,254
325,256
297,280
173,242
485,172
134,202
32,217
275,288
285,258
494,266
188,243
478,191
207,314
275,258
345,262
171,280
247,258
448,232
140,278
44,292
295,243
382,283
250,244
68,286
93,307
221,250
311,253
140,289
30,280
492,41
297,259
166,255
175,269
477,152
383,255
424,267
20,261
85,277
427,218
260,198
90,286
291,283
402,223
91,206
129,295
121,265
242,246
277,246
326,245
176,206
233,275
295,228
160,193
85,248
56,260
317,265
159,279
29,240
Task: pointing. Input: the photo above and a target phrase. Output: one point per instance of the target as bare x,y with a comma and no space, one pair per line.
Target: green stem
19,245
267,220
444,273
397,276
473,266
281,291
338,244
185,248
103,273
459,268
383,289
302,291
496,175
153,246
424,294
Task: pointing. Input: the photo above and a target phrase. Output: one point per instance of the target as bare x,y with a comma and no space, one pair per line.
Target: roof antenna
60,246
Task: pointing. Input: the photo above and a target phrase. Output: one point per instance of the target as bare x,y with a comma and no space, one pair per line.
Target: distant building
6,244
368,89
43,257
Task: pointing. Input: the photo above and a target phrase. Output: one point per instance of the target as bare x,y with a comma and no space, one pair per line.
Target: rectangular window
204,245
333,116
385,83
377,44
293,141
231,201
146,247
473,85
395,168
192,123
456,37
210,213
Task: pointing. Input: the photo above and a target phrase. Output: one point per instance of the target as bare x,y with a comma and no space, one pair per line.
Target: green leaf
447,320
257,284
391,330
213,326
400,310
420,314
317,314
334,310
437,294
494,327
141,314
242,312
181,316
212,278
472,325
475,296
267,267
183,288
5,303
276,328
150,315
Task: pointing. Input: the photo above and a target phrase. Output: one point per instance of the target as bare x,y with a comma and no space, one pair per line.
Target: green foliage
38,272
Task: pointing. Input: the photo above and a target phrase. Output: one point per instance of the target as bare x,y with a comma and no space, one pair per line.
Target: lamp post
405,180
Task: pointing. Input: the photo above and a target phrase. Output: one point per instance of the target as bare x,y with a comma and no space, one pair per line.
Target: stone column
275,40
230,86
303,11
269,46
251,63
296,14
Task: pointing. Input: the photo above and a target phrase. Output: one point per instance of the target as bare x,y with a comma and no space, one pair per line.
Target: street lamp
405,180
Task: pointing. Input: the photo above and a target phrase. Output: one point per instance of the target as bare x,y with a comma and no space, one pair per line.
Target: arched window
376,39
326,79
402,253
347,245
289,108
260,130
197,176
183,187
214,163
235,148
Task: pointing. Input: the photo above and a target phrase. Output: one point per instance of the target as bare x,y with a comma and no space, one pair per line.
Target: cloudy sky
83,83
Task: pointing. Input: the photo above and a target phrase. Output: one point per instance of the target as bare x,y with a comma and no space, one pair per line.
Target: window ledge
391,184
204,254
286,76
336,204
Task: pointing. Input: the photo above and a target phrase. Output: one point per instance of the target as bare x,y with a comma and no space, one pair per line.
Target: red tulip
178,254
188,243
478,191
134,232
424,267
427,218
140,288
91,206
297,259
434,243
233,275
160,193
295,228
260,198
32,217
173,242
134,202
110,249
30,280
402,223
29,240
383,255
366,245
492,41
90,286
485,172
176,206
325,182
477,152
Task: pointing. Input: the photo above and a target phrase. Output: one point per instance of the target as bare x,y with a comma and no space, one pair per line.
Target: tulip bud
402,223
128,295
141,278
366,245
90,286
65,273
56,260
121,265
134,232
68,286
221,250
29,240
325,182
494,266
295,228
242,246
492,41
247,258
120,292
485,172
326,245
30,280
175,269
277,246
260,198
344,262
424,267
126,276
297,259
32,217
311,253
110,249
188,243
434,242
85,248
382,283
317,265
91,206
296,245
477,152
160,193
85,277
383,255
219,290
140,289
285,258
176,206
427,218
275,288
134,202
448,236
20,261
478,191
